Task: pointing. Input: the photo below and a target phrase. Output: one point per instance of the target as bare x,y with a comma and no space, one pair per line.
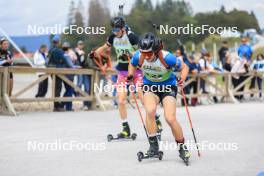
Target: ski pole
190,121
140,114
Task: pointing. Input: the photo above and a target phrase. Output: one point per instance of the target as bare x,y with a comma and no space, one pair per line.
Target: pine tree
71,13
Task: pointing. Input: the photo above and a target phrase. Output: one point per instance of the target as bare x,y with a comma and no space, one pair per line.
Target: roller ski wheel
149,155
110,137
184,155
121,137
185,160
140,156
159,136
133,136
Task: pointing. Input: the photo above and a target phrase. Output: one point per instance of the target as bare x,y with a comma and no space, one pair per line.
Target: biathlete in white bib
125,43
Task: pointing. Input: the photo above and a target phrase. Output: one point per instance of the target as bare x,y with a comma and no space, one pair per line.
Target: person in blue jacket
159,86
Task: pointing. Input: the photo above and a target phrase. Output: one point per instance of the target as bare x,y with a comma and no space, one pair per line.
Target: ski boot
153,151
184,154
125,134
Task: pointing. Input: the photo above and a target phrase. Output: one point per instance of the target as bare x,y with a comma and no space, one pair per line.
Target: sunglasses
116,30
147,54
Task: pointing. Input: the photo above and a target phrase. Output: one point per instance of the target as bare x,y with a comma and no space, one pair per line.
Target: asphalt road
37,143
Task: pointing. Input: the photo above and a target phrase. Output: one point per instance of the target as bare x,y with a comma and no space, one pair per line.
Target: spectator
240,67
245,54
257,65
204,65
227,65
180,54
212,68
68,64
57,60
6,60
222,53
40,61
84,80
102,62
193,69
245,50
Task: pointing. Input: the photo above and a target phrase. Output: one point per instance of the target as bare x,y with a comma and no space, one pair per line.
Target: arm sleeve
239,51
173,61
250,51
202,64
2,62
133,38
135,59
38,60
110,40
68,61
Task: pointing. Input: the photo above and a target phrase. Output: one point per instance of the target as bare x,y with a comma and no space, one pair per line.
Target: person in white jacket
40,60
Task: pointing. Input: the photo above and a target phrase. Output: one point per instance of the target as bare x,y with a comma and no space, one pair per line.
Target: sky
17,15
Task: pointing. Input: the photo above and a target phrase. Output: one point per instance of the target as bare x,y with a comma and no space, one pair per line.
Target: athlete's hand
129,79
180,82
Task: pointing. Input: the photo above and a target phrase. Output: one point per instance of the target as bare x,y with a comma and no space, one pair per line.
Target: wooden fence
221,83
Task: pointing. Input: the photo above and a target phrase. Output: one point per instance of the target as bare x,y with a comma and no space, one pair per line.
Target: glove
130,78
180,83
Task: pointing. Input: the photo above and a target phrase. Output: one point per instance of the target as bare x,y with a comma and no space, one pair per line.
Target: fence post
229,88
1,92
96,95
7,105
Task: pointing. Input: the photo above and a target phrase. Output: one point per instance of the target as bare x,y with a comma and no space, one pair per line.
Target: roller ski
153,151
124,135
184,154
159,127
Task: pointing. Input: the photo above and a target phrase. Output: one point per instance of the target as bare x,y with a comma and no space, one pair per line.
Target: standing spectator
193,69
84,80
257,65
227,66
212,68
57,60
79,52
222,53
204,65
245,50
6,60
180,54
40,61
240,68
68,64
245,53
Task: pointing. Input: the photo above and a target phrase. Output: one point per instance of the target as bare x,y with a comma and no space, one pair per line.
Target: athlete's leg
122,94
150,103
138,82
169,105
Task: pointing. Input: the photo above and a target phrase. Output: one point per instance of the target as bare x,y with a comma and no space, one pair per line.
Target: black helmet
149,42
118,22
